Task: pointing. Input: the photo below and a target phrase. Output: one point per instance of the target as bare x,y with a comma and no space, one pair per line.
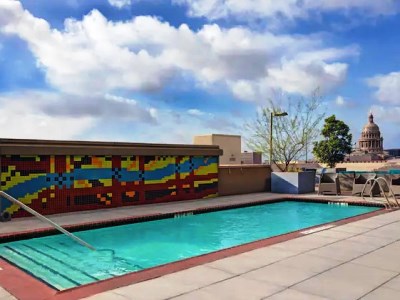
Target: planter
293,182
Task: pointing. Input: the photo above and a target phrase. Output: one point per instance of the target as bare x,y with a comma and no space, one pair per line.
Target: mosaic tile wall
64,183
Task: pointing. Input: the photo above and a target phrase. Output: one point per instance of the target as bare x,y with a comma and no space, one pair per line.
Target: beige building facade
230,144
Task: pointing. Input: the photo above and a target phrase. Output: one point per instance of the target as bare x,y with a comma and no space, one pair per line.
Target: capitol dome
371,140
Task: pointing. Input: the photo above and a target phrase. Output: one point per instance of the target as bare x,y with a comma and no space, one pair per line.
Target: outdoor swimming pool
64,264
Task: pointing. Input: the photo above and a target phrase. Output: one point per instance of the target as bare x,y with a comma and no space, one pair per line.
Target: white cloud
21,118
120,3
95,56
340,101
245,89
388,87
289,9
387,114
195,112
303,78
33,114
47,115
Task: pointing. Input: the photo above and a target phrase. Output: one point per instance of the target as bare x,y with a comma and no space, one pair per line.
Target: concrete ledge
243,179
56,147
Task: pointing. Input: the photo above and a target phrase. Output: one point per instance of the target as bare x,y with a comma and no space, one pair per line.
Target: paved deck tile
346,282
4,295
385,258
280,274
174,284
351,228
370,240
382,294
393,283
308,242
311,263
343,250
294,295
106,296
241,288
248,261
335,234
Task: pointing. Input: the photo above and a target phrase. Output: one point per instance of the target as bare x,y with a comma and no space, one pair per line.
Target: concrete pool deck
358,260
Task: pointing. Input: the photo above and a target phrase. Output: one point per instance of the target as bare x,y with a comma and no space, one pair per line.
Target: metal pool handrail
46,220
376,181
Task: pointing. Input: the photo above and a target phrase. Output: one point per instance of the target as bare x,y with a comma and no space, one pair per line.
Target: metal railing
382,191
46,220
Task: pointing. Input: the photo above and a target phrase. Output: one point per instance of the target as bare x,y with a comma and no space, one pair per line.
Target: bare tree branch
292,134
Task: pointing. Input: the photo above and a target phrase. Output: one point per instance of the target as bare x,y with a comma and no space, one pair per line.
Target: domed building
371,140
370,143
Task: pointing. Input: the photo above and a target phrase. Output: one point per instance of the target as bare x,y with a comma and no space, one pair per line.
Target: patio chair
318,174
395,185
359,182
329,183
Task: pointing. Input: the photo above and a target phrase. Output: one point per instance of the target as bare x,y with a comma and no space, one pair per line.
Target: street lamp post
273,114
306,146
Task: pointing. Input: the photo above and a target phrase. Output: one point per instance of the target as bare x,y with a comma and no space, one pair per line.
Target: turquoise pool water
63,264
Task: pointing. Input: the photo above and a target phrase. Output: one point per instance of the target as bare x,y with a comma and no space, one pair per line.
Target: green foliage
337,142
292,134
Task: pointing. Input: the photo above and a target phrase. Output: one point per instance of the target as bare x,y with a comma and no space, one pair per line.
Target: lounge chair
359,183
329,183
318,174
395,185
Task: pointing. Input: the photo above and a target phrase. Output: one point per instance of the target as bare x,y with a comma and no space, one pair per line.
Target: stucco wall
244,179
230,145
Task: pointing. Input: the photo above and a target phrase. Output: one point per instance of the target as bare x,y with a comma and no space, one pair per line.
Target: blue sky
164,71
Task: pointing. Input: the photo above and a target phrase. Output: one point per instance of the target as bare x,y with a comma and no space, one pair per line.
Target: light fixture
273,114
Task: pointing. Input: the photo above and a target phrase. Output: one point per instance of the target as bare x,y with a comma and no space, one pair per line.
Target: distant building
251,158
370,143
231,146
393,152
371,140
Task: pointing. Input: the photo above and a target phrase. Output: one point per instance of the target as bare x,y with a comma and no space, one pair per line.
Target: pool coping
19,283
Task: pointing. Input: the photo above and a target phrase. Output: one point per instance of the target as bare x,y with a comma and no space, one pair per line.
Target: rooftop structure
230,144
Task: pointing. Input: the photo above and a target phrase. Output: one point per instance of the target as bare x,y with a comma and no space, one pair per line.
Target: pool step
63,251
59,281
44,264
104,263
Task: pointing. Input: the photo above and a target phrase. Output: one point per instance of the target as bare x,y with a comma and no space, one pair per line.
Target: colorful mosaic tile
64,183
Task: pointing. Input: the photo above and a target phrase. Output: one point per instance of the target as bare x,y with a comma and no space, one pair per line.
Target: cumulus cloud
302,74
343,102
388,87
388,114
59,116
107,107
95,56
340,101
195,112
120,3
22,118
49,115
289,9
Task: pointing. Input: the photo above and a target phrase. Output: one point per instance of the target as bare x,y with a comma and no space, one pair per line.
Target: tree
291,134
337,142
